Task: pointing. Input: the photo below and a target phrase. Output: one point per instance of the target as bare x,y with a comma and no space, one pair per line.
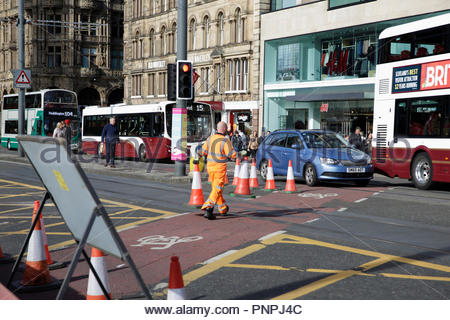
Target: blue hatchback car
316,155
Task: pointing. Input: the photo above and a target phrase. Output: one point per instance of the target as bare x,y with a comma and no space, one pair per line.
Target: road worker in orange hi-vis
218,150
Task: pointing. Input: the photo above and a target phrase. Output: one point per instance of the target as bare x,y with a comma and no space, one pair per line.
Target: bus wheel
142,153
8,145
422,171
99,153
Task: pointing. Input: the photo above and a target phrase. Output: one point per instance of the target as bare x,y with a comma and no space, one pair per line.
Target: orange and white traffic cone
52,265
253,176
290,180
237,169
36,275
176,285
243,187
94,290
270,179
197,198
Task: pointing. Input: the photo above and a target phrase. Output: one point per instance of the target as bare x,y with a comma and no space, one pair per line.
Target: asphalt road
386,241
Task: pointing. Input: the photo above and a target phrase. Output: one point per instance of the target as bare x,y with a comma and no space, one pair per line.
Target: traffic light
171,81
185,88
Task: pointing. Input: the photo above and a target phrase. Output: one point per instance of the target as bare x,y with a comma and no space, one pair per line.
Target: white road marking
176,215
163,242
220,256
360,200
311,221
376,193
270,235
342,209
125,229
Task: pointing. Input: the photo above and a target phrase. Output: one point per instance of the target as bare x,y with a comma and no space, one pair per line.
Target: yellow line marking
22,184
322,283
254,266
300,240
18,195
17,209
406,276
132,206
216,265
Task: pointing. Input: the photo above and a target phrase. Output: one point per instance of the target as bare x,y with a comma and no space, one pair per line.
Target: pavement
155,171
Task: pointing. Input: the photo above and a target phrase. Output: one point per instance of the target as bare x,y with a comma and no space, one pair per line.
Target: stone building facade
69,44
223,43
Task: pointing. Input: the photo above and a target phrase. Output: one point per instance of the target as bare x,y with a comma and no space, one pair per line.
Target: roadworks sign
22,78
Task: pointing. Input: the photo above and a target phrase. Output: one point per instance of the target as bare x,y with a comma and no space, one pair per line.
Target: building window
174,37
54,24
192,27
137,8
221,27
151,84
205,86
162,83
152,43
281,4
244,74
239,26
116,59
218,77
237,74
333,4
88,57
230,75
137,85
206,27
54,56
288,64
166,5
163,41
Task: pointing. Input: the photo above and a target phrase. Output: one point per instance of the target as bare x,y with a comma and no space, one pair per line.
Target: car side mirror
296,146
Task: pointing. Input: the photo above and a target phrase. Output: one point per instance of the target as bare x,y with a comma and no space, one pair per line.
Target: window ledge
204,93
236,91
150,96
161,95
136,97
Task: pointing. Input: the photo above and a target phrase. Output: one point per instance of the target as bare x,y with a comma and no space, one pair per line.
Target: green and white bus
43,110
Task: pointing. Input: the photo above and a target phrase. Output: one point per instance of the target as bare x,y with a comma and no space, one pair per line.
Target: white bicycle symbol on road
317,195
164,242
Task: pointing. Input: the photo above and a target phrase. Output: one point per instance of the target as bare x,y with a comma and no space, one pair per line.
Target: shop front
241,115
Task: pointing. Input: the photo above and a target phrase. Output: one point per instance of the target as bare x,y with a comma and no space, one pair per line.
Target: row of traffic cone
242,182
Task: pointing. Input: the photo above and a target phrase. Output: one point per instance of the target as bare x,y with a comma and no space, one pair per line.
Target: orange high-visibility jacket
218,149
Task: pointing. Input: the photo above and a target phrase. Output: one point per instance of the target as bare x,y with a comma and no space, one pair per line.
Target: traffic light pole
21,58
180,166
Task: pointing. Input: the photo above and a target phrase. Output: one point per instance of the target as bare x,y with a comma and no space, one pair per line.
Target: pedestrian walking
218,149
58,132
253,144
67,131
110,136
236,141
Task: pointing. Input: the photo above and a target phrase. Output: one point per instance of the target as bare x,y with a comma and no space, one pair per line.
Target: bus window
11,126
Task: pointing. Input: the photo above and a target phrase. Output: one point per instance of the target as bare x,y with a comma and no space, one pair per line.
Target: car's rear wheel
422,171
310,175
362,183
263,169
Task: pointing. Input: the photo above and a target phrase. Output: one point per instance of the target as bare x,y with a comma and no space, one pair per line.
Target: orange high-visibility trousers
217,184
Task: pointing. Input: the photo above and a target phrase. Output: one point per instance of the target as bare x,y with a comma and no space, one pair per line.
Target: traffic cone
94,291
52,265
253,176
290,180
226,179
36,275
176,286
4,258
197,198
237,169
243,187
270,180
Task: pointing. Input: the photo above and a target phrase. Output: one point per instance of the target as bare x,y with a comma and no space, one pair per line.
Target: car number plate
356,170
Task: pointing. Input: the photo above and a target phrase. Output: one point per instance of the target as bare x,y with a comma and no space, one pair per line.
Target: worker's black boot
209,214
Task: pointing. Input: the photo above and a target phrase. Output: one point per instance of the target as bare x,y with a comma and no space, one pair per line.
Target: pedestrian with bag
58,132
110,136
253,144
218,149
